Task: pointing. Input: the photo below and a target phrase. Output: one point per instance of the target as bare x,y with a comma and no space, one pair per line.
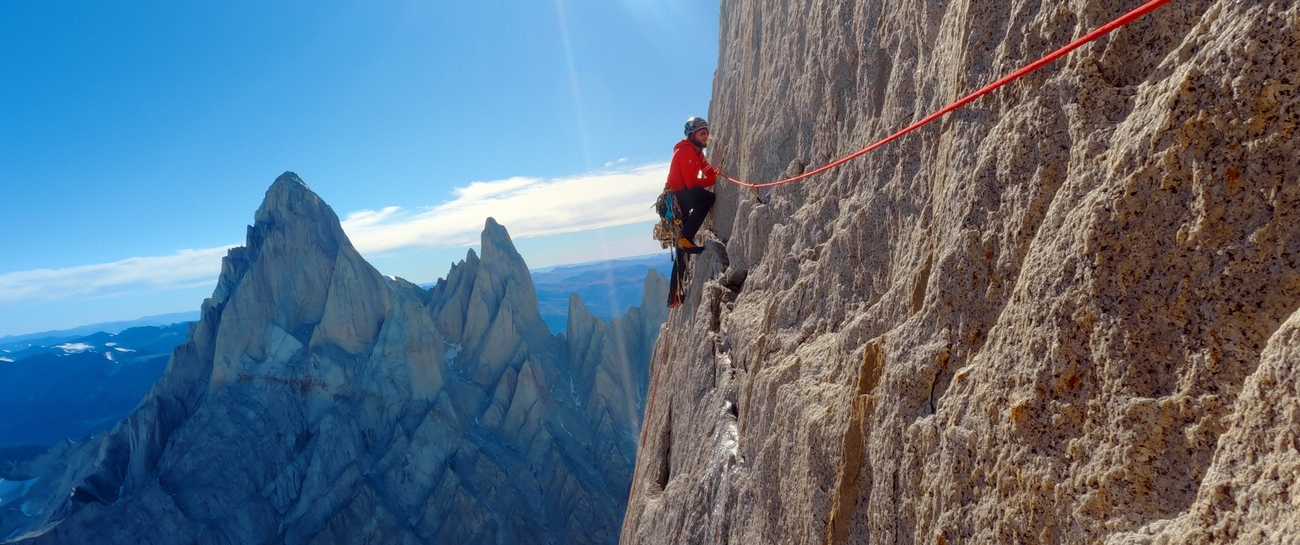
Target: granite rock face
1054,316
319,402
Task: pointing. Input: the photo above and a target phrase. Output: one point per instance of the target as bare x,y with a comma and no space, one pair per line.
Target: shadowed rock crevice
665,457
921,283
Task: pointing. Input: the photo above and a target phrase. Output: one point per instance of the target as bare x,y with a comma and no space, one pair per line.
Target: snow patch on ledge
74,348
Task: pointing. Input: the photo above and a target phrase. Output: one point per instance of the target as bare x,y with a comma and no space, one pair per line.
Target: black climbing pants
694,203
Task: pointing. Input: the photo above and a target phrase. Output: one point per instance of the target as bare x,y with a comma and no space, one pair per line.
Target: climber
689,178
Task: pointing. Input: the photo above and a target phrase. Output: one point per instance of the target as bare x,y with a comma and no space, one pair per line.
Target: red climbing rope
1123,20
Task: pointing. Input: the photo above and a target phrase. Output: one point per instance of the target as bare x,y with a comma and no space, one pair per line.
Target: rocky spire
318,401
502,322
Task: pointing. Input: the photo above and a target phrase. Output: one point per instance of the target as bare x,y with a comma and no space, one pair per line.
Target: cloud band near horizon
528,207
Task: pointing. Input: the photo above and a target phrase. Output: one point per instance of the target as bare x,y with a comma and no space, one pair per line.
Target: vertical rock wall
1041,319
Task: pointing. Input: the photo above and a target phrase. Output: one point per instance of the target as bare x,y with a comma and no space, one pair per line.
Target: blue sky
137,139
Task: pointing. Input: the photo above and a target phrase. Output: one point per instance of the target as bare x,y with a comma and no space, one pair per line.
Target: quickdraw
669,228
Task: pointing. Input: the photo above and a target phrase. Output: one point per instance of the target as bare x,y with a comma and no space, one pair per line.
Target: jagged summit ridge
317,401
296,218
288,193
300,284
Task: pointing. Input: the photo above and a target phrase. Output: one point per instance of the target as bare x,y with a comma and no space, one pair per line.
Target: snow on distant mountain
74,348
79,386
49,338
69,400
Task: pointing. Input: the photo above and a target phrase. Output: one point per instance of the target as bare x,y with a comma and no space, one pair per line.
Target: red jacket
689,168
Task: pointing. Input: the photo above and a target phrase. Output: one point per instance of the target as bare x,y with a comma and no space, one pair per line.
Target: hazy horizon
140,139
160,319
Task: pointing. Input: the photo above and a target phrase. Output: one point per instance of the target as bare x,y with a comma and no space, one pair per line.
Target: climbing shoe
690,247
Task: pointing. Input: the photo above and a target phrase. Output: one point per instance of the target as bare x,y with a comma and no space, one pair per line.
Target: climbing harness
1101,31
668,232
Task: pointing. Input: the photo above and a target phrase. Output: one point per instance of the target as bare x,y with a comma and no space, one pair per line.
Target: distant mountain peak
497,246
315,393
290,196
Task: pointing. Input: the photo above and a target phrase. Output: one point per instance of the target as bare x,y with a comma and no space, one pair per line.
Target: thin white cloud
179,270
528,207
